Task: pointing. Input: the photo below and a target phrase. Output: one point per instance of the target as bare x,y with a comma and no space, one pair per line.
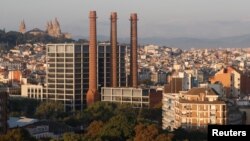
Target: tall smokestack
113,40
92,94
133,49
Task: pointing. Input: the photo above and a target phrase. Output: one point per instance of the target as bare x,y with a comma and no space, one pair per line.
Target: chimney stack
113,40
92,94
133,50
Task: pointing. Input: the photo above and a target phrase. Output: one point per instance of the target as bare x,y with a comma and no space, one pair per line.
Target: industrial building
137,97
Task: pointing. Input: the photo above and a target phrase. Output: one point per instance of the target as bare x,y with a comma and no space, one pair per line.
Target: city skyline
166,18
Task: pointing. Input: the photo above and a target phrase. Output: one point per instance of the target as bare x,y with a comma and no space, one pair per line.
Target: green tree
71,137
23,107
180,134
119,128
197,135
50,110
101,111
17,135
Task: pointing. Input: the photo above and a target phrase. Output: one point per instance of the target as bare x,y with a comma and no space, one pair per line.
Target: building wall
155,99
245,81
67,74
15,75
225,79
192,111
104,65
3,111
135,96
168,110
198,115
247,111
236,84
32,91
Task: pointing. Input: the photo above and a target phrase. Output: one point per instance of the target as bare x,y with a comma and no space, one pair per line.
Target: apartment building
234,81
193,109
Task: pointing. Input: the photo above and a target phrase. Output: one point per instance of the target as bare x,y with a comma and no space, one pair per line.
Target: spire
56,28
22,27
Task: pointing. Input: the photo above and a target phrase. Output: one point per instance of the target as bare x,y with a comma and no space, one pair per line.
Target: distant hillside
236,41
230,42
13,38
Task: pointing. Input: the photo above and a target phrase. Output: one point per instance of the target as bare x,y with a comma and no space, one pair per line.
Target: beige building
137,97
193,109
32,91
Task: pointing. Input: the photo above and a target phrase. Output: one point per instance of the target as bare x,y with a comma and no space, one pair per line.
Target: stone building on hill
22,27
52,28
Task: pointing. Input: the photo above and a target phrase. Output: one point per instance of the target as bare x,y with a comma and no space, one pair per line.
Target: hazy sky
157,18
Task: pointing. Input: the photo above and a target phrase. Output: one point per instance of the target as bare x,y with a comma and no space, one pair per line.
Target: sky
157,18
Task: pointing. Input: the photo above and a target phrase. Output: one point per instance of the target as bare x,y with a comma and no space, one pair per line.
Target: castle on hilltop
52,28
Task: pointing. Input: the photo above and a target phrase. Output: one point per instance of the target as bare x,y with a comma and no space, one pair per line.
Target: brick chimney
113,40
133,50
92,94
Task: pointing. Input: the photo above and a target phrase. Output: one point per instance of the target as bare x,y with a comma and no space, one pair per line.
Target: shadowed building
105,65
3,110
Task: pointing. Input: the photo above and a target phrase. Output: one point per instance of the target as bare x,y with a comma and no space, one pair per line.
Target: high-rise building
105,65
3,110
67,74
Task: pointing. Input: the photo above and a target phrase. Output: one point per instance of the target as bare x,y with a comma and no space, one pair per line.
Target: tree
50,110
93,130
119,128
164,137
71,137
23,107
17,135
197,135
101,111
146,132
180,134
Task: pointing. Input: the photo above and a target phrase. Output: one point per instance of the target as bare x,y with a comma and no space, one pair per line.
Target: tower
113,40
66,75
22,27
92,94
133,50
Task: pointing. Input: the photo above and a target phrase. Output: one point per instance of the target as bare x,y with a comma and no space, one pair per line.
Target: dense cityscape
54,87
